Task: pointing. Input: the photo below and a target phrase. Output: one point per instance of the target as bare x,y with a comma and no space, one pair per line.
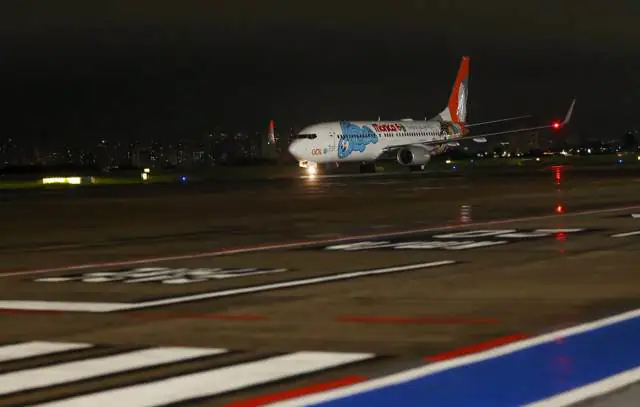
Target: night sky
169,69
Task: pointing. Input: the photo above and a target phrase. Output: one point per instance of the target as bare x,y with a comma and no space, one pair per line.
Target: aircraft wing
441,141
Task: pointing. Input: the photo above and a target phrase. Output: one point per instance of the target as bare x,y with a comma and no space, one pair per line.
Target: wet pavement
379,274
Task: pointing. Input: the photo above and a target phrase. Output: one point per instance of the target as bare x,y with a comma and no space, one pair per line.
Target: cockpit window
307,136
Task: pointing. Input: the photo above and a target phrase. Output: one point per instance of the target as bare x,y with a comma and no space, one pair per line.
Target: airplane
271,134
414,142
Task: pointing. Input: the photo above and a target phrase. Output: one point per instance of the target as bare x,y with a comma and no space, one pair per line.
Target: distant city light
62,180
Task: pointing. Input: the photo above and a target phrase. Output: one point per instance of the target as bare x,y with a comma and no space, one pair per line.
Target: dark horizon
140,70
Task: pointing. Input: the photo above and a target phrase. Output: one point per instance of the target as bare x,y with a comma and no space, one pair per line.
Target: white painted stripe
109,307
599,388
636,232
64,306
213,382
36,348
290,284
85,369
291,245
454,363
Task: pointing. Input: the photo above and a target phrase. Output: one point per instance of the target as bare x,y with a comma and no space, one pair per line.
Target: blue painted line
525,376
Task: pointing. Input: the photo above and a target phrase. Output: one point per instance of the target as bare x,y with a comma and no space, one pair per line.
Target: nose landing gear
310,167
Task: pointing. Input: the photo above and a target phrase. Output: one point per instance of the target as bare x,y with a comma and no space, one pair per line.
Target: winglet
569,113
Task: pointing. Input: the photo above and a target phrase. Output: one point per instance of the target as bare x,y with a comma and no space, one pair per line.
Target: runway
302,285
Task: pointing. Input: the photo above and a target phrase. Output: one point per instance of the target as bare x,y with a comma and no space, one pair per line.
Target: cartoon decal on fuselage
451,130
448,130
354,138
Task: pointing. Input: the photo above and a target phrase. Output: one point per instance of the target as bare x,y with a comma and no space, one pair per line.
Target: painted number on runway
465,240
162,275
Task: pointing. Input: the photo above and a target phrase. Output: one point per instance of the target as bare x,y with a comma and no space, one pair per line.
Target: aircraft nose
295,148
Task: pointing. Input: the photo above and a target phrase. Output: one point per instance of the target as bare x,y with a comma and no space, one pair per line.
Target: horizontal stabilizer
526,116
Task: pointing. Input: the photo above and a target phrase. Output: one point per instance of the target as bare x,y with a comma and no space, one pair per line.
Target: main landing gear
414,168
367,168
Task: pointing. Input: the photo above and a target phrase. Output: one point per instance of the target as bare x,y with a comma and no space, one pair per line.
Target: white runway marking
626,234
109,307
64,306
36,348
90,368
213,382
299,244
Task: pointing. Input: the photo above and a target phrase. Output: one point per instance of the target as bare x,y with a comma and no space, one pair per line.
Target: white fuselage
364,141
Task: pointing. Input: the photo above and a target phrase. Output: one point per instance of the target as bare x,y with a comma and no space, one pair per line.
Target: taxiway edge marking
421,372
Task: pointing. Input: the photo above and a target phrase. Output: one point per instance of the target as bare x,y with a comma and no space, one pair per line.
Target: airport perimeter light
62,180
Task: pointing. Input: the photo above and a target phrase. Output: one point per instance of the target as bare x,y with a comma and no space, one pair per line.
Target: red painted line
293,393
303,243
416,320
478,347
171,315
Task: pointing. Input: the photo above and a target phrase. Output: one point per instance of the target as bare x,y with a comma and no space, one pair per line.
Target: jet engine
415,155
